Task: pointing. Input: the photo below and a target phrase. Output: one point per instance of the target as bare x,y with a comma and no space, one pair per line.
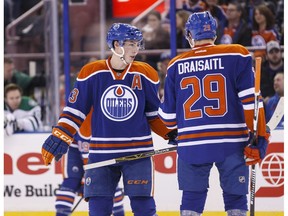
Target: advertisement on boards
29,185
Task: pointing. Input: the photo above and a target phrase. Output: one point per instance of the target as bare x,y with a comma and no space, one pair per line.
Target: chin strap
120,55
192,43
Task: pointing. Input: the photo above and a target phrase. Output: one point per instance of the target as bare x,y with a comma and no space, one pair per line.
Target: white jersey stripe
213,126
75,112
166,115
246,92
120,138
120,151
212,141
64,203
69,122
68,193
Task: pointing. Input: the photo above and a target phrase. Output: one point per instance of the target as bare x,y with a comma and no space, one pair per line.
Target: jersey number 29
205,88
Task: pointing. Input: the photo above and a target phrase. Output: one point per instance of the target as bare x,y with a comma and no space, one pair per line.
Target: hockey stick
129,158
76,205
255,124
272,124
277,115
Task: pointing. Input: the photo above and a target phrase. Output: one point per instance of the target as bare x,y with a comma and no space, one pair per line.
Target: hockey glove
80,191
173,137
56,144
10,124
256,151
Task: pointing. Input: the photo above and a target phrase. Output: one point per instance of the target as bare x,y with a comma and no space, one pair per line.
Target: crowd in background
258,25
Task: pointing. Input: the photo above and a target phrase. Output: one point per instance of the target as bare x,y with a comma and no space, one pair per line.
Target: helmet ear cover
122,32
201,26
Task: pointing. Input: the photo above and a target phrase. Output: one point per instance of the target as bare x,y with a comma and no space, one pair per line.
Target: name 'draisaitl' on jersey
200,65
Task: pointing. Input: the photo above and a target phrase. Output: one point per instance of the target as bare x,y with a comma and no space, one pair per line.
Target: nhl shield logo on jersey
119,103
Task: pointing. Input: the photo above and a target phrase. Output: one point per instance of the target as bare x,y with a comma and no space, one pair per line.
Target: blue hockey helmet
121,32
201,25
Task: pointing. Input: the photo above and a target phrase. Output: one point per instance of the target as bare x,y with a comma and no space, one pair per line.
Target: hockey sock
118,208
236,212
65,196
189,213
193,201
234,201
64,202
143,206
100,206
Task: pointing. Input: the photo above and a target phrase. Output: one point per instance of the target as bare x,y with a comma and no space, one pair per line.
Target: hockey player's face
131,49
13,99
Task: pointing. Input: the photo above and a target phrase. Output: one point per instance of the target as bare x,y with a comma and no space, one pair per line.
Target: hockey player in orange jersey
209,98
124,96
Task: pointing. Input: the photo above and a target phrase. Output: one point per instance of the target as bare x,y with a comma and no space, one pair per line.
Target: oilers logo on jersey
119,103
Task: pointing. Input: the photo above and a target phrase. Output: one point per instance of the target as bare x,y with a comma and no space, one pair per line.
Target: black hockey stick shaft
129,158
79,201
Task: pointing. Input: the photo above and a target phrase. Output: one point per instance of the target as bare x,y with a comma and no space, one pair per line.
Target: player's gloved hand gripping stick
56,144
255,152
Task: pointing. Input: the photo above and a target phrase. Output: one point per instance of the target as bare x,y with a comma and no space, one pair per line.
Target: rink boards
29,186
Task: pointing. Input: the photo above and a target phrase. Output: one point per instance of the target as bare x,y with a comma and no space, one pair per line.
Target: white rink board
29,185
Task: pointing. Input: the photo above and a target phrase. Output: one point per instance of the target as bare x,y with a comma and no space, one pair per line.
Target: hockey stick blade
129,158
277,115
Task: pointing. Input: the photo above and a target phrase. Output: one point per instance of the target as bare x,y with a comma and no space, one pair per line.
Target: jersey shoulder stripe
144,69
214,50
91,68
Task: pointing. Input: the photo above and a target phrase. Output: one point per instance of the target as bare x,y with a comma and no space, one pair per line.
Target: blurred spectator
26,82
263,29
273,101
249,8
21,113
181,19
216,11
7,12
162,65
155,37
195,6
235,29
21,6
274,63
280,19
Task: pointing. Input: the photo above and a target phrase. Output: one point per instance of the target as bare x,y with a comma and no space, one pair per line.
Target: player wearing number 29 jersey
206,91
209,98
